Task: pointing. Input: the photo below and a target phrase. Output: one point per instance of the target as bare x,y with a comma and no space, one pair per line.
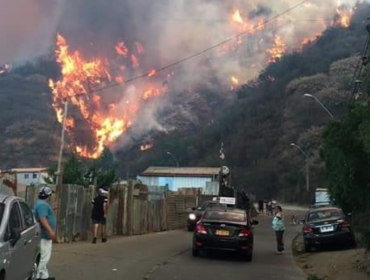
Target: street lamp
174,158
321,104
307,165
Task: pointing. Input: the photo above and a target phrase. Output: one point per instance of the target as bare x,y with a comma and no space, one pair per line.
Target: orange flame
235,80
236,17
146,147
152,73
343,17
121,49
119,79
307,41
150,93
79,77
70,123
106,121
135,61
278,50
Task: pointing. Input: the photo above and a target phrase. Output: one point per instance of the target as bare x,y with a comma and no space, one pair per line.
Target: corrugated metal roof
29,170
181,171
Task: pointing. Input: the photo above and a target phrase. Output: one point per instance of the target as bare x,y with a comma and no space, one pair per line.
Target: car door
30,236
16,269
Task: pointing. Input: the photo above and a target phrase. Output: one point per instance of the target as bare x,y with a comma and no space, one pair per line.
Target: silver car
19,240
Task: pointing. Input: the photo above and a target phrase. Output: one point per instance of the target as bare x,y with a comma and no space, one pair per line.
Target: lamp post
174,158
320,103
307,165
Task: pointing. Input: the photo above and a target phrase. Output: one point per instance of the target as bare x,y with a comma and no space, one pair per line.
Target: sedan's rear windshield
206,205
225,216
2,208
325,215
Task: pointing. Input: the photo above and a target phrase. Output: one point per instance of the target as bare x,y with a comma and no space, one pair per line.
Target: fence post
130,205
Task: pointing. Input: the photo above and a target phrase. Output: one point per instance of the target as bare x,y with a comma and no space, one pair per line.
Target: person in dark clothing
247,203
99,214
260,206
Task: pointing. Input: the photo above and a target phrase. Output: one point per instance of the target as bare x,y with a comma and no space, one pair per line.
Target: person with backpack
279,228
99,214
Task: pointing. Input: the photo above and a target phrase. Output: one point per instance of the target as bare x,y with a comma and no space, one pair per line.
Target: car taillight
200,229
345,224
245,233
307,229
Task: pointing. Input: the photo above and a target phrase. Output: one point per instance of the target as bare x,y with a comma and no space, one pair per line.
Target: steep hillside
29,131
271,113
256,123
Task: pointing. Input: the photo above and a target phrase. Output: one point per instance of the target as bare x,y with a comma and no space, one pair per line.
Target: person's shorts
102,221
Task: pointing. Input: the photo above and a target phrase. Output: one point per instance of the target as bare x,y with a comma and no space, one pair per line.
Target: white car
19,240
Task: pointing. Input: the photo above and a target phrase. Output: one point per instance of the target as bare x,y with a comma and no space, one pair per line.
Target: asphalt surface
167,256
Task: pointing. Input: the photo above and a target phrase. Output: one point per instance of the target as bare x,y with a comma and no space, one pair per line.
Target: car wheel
307,247
2,275
195,252
34,272
352,244
249,256
190,229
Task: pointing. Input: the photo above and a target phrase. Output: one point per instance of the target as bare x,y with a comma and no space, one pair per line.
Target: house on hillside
29,176
175,178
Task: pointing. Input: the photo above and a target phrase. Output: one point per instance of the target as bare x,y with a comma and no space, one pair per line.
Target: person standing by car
279,228
99,214
274,204
260,206
269,208
46,217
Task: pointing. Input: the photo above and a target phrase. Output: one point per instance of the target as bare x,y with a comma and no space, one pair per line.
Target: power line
161,69
216,20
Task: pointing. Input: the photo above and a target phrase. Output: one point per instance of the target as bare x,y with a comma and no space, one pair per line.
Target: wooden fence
130,212
73,212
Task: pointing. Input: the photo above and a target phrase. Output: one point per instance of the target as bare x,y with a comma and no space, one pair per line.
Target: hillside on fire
146,89
269,114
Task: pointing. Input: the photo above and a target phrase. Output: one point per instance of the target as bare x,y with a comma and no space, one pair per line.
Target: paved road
167,256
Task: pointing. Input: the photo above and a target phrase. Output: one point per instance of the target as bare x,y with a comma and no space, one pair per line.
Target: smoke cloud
169,30
27,28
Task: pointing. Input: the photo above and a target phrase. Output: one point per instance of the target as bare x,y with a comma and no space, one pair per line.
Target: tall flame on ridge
80,77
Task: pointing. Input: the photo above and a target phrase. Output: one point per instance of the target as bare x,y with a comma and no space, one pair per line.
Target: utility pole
307,165
59,173
307,175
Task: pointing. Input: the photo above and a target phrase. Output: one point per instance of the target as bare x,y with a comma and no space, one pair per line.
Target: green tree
346,151
105,169
73,173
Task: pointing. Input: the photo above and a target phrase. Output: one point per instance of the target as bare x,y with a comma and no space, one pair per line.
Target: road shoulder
330,265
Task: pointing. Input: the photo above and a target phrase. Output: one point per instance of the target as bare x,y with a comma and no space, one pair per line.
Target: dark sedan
224,229
325,226
197,213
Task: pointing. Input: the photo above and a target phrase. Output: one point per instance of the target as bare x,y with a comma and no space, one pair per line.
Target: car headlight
192,217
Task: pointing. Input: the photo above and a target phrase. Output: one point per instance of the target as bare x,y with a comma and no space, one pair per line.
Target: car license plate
327,229
222,233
